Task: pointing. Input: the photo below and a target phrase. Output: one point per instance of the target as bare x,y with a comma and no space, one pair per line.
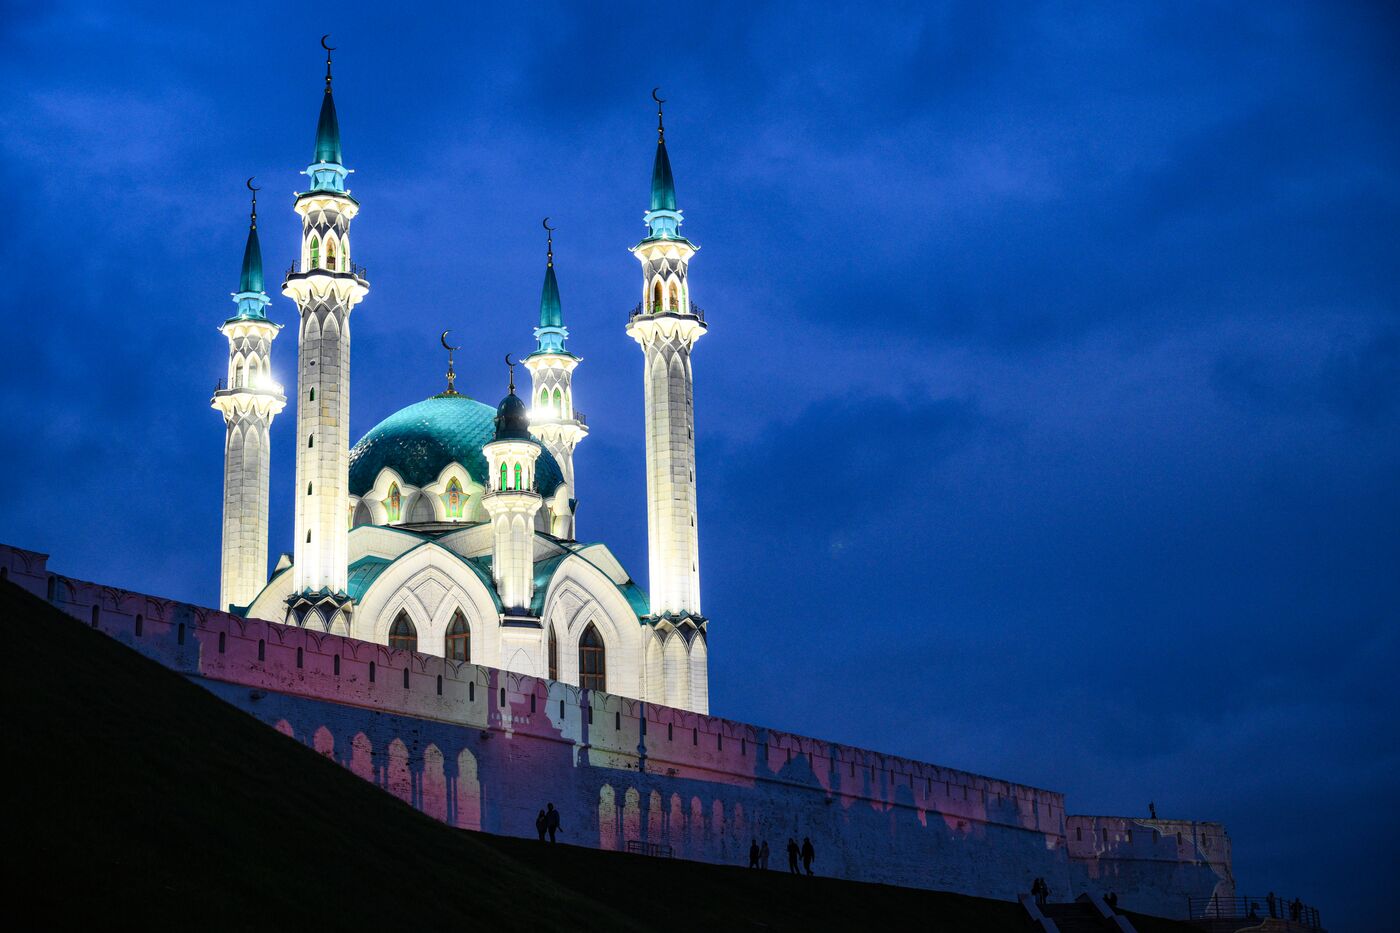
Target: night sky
1048,416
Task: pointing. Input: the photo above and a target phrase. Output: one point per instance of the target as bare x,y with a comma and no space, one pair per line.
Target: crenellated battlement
399,718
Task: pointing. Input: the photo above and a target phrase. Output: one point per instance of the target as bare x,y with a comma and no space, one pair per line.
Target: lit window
553,656
402,634
330,253
393,504
455,499
315,252
592,663
519,477
459,639
503,484
558,402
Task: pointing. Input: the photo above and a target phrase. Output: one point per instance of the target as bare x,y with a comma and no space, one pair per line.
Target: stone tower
666,325
553,418
248,405
511,500
326,288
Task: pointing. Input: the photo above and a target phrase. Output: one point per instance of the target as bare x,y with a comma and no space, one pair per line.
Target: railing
638,847
357,271
695,310
1253,907
580,417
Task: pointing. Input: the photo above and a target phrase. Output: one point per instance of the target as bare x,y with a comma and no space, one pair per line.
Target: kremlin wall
485,749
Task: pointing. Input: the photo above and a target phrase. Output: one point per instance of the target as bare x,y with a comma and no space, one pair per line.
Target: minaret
553,419
248,405
511,501
326,289
667,325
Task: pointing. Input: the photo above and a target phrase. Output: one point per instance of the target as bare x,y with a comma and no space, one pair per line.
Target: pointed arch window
454,500
402,634
675,296
393,503
544,398
330,253
592,662
558,402
315,252
504,484
519,477
458,646
553,654
656,299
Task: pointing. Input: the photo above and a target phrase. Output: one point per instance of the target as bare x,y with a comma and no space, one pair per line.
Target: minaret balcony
350,284
696,312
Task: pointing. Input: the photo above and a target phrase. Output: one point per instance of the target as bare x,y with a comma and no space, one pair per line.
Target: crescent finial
250,185
547,226
328,48
445,344
511,364
659,100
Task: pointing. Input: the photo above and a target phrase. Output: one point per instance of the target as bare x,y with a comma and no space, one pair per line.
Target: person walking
753,854
763,856
792,856
808,853
541,825
551,821
1038,891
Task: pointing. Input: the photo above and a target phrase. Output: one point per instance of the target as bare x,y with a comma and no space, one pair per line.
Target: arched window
459,639
402,634
544,398
592,665
503,483
454,499
553,655
558,402
656,299
519,477
330,253
315,252
313,393
393,503
675,296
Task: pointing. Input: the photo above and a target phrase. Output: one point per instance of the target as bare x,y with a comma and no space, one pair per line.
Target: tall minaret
326,290
667,325
552,416
248,405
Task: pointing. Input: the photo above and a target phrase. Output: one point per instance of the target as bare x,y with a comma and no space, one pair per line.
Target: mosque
449,528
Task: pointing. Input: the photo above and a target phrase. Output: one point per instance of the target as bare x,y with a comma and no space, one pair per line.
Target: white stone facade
326,290
248,405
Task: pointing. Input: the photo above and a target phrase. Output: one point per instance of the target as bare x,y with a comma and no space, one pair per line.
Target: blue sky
1048,417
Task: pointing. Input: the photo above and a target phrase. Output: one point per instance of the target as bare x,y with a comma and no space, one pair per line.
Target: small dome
512,420
417,442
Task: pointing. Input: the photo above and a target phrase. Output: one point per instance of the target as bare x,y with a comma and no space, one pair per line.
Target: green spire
551,334
663,186
252,278
328,127
252,301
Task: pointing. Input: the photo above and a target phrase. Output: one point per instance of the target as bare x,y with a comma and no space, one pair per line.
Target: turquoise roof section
363,573
417,442
251,278
328,131
663,185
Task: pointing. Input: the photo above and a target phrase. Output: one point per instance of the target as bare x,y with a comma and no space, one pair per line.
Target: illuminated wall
486,749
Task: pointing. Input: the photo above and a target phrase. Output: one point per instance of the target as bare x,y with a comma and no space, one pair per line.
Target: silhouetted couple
758,856
1041,891
547,822
807,854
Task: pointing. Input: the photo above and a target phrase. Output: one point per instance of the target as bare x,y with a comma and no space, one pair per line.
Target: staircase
1084,915
1079,917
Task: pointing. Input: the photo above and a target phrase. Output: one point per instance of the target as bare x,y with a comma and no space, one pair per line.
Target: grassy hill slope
138,795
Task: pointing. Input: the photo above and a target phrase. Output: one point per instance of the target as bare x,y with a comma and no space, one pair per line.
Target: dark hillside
138,796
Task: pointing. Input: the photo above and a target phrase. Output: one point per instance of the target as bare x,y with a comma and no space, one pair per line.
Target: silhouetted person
551,821
1152,809
808,853
792,856
1111,900
1040,890
541,824
753,854
1273,906
763,856
1253,911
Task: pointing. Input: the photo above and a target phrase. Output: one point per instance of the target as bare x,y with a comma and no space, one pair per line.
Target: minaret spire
667,325
552,417
451,370
248,405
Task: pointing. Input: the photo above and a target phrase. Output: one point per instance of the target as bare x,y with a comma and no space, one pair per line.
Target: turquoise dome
418,441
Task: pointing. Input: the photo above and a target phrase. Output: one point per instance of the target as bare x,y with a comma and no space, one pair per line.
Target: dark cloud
1048,415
